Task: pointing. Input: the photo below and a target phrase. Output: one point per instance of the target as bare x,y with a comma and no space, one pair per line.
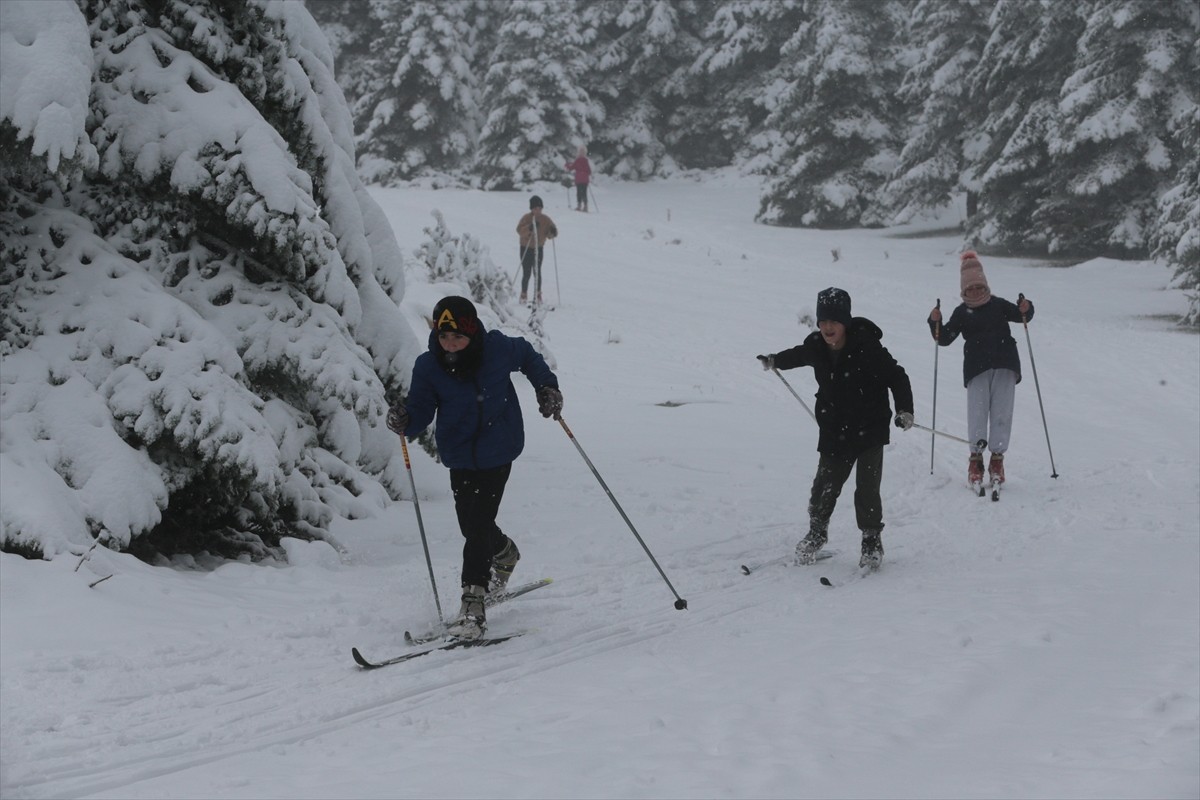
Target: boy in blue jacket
464,379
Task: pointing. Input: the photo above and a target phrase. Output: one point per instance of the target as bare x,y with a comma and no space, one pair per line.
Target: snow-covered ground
1044,646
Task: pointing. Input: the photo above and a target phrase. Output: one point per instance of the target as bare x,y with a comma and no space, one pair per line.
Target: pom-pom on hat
456,314
833,304
535,202
971,271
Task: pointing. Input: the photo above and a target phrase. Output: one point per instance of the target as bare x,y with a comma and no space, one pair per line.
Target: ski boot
503,564
872,550
471,622
996,468
975,473
806,550
524,298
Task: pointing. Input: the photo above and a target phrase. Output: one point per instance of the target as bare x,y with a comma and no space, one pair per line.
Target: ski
860,573
785,561
995,490
488,602
451,645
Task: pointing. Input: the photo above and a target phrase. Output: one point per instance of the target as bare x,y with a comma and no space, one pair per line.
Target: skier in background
534,229
583,175
854,372
464,379
991,364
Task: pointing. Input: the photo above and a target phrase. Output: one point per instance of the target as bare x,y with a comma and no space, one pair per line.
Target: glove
397,419
768,362
904,420
550,402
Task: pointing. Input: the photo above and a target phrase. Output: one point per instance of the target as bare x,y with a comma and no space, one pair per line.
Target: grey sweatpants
990,398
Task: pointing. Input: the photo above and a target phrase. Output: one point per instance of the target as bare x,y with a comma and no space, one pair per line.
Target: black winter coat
852,395
988,342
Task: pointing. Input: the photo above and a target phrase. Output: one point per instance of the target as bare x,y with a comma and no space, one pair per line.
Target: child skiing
583,174
991,365
534,229
464,379
854,372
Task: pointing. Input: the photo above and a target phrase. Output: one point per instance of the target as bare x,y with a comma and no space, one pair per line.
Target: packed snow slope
1047,645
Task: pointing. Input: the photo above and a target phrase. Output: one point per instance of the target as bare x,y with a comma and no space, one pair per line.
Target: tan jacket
546,229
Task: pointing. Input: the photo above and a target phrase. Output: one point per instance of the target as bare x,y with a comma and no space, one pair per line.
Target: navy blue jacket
852,395
479,421
987,341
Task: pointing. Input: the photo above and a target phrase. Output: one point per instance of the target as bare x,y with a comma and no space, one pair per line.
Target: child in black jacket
854,373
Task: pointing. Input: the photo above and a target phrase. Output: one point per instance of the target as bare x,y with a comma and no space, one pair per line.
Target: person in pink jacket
583,173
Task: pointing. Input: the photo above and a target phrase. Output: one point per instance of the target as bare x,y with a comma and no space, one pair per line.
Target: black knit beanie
833,304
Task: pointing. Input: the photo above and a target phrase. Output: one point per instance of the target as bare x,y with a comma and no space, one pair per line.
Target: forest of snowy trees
1070,127
198,297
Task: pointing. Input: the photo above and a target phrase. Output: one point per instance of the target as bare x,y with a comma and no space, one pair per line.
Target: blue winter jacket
479,422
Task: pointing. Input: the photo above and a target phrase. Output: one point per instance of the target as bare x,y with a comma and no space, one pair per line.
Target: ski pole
937,336
557,285
537,264
593,195
981,444
421,527
680,603
793,391
1033,366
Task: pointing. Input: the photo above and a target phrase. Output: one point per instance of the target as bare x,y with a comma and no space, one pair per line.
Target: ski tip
826,582
746,570
358,659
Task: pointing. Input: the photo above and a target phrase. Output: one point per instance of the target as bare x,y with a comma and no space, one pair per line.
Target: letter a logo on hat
446,320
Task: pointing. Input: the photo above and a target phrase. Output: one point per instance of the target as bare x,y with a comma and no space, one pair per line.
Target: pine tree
197,318
419,116
1110,142
1029,54
634,47
734,83
840,116
947,39
536,108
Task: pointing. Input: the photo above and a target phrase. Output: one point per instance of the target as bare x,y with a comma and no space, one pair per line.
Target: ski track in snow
1044,645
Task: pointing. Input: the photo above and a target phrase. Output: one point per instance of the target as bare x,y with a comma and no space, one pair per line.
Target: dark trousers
832,472
581,195
477,496
530,256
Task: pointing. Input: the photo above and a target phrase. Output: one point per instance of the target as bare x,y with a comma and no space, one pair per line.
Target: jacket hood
863,330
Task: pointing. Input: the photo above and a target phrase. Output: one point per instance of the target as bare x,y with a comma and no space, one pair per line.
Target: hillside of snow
1047,645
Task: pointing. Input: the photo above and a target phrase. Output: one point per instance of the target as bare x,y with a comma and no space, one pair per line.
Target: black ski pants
477,496
832,472
530,255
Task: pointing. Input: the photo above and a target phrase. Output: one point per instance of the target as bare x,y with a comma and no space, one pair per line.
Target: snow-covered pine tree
1029,54
839,110
634,47
537,109
195,339
1175,233
352,27
1110,142
741,72
420,116
946,40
